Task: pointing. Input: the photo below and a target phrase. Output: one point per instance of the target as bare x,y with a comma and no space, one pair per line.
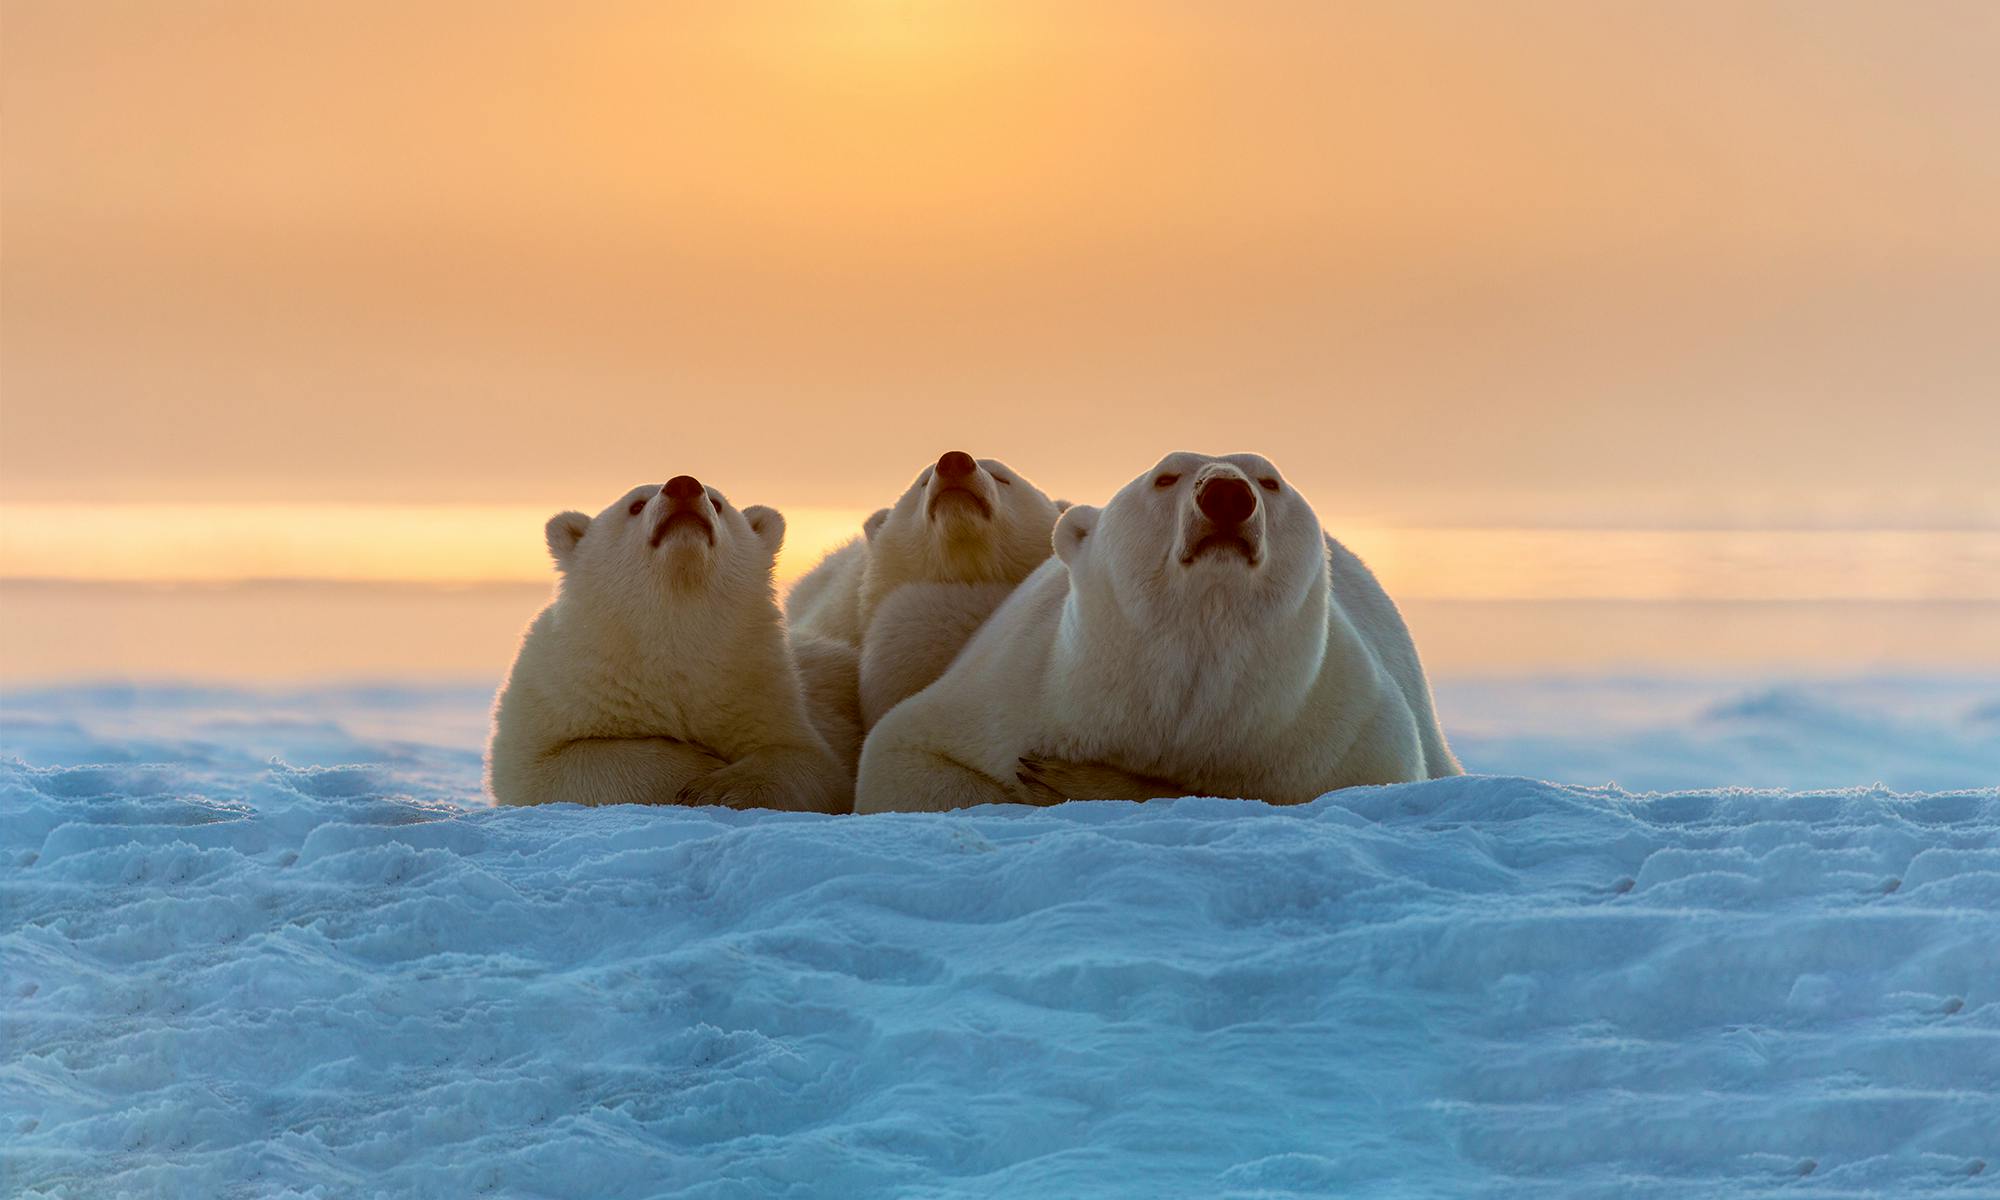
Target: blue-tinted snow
225,976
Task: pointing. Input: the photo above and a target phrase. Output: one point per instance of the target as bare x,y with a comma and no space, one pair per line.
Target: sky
1609,333
1518,264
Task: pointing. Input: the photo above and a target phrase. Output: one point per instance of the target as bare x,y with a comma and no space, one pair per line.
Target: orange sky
1467,263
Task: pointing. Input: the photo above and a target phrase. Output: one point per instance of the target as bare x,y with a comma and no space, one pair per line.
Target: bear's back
826,601
1361,599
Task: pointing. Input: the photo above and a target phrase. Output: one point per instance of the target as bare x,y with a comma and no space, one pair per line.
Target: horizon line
471,545
393,584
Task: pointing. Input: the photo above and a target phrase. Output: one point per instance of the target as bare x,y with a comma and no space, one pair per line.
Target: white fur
1276,679
830,678
917,630
925,573
824,602
660,673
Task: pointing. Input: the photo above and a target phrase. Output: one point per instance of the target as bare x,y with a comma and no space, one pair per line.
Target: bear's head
666,544
1222,537
963,520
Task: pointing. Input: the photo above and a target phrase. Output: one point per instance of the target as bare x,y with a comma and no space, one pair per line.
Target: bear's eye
1003,481
1268,484
636,507
1166,481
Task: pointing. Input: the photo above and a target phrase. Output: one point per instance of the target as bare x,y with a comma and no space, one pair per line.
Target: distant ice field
258,943
1910,732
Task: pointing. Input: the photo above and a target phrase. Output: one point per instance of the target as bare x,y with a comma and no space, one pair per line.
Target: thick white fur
825,601
909,592
660,673
830,677
1131,657
918,629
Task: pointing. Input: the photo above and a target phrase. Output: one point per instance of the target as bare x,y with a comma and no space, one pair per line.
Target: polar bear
1198,635
660,673
924,574
830,679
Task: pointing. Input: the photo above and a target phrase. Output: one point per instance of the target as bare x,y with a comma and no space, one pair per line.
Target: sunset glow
456,544
1442,260
1553,302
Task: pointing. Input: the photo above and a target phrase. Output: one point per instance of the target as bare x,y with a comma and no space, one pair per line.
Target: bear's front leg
791,779
1053,781
617,771
924,781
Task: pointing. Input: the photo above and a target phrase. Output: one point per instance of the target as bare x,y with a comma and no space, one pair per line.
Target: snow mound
1911,734
228,981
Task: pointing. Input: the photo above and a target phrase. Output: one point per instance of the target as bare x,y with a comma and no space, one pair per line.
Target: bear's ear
564,531
1062,506
1076,523
873,525
769,526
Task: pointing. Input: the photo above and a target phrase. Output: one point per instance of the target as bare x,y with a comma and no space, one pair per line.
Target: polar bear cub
927,570
1199,634
660,673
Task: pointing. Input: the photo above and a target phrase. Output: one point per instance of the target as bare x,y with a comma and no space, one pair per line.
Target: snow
1664,734
231,976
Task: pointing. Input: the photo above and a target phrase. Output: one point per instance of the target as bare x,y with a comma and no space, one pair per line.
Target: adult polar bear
660,673
1199,634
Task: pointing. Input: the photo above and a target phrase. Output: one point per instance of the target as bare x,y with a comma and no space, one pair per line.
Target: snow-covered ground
226,975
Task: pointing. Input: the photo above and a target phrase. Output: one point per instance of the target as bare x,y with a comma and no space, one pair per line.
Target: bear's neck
674,646
1233,675
976,557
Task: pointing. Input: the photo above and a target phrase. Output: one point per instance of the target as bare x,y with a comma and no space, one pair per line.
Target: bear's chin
964,535
956,508
685,562
684,526
1221,550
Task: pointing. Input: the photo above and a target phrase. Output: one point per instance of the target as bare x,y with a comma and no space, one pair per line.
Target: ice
227,976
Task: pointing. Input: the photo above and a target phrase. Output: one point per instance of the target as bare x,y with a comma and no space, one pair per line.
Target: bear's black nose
1226,500
955,464
682,487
